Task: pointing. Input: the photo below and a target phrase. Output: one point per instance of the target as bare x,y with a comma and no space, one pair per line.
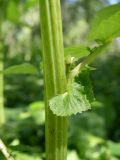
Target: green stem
55,78
2,116
90,58
96,51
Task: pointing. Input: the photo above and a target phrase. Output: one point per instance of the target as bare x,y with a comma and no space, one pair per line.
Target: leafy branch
76,98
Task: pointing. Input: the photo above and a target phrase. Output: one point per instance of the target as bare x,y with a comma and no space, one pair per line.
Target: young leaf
105,25
71,102
77,52
25,68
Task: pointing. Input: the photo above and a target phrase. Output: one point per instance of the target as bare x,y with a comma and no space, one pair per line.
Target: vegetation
55,79
93,134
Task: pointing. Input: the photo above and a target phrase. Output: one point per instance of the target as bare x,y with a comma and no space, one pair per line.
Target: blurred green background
93,135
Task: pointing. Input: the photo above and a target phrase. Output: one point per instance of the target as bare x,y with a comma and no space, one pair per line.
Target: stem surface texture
54,77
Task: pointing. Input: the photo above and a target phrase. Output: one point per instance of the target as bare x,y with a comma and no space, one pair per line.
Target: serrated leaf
77,52
25,68
71,102
105,25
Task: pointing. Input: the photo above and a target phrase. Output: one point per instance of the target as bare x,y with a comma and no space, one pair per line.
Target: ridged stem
54,77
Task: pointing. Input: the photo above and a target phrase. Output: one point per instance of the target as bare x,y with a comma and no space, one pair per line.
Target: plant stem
55,78
96,51
2,116
4,151
90,58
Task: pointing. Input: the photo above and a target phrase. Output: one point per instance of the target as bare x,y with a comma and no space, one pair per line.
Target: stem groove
54,77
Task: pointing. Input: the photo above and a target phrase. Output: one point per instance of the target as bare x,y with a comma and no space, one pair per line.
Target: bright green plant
67,86
63,95
55,79
76,99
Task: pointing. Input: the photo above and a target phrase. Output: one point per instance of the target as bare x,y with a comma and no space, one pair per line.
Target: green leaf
107,12
105,25
71,102
77,52
25,68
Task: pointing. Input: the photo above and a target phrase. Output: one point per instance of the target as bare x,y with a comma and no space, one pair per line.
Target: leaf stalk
90,58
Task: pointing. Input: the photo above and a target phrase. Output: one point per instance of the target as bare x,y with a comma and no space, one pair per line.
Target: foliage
71,102
25,68
106,17
77,52
92,135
